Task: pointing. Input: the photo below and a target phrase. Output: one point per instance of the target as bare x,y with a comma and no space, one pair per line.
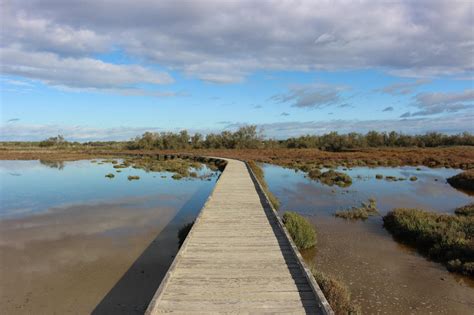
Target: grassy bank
464,180
448,239
257,170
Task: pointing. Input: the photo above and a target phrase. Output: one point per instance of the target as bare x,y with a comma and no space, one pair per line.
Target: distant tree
53,141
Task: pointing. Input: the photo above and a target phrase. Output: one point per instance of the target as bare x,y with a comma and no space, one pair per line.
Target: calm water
382,275
72,240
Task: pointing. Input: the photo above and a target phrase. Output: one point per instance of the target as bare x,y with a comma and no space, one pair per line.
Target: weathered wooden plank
236,259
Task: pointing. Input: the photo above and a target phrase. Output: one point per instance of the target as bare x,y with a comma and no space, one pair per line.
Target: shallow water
72,240
383,276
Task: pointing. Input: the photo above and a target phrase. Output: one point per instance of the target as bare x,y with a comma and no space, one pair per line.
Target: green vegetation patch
331,177
337,294
379,176
363,212
413,178
442,237
133,177
464,180
110,175
257,170
301,230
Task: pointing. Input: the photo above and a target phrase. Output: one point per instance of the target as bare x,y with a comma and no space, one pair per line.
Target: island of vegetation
442,237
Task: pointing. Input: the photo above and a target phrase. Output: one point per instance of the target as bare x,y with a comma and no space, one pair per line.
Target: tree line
248,137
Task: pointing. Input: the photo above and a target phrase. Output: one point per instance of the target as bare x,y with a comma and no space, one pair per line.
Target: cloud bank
224,41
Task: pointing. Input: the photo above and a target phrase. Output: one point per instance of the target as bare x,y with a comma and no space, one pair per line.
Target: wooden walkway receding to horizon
238,258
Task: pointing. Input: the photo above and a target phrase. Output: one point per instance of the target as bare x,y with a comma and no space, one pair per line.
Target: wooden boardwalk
238,259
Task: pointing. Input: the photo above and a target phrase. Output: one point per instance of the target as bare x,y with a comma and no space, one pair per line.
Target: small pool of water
383,276
74,241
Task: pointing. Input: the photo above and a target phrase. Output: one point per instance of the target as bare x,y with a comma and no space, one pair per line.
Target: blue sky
289,67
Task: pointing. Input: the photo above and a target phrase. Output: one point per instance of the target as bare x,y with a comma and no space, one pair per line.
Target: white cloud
224,41
437,102
82,72
311,96
403,88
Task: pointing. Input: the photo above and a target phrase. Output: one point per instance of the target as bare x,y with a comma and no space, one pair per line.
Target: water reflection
383,276
73,241
53,164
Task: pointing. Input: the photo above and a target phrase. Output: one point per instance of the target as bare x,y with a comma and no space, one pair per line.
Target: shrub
464,180
336,293
331,177
445,238
301,230
363,212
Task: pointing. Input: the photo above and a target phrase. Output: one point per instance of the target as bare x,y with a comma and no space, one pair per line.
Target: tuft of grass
133,177
446,238
363,212
467,210
337,294
183,232
301,230
379,176
331,178
413,178
258,171
120,166
118,171
177,176
464,180
110,175
391,178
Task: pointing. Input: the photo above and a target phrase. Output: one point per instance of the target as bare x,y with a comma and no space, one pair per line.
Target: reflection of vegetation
337,294
110,175
257,170
53,164
363,212
467,210
464,180
301,230
131,177
331,177
442,237
183,232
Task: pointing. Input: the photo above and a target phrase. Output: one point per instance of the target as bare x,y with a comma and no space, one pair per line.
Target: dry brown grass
457,156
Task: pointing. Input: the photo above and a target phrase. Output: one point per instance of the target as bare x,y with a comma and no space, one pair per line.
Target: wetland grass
257,170
331,177
337,294
445,238
131,177
363,212
464,180
301,230
110,175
